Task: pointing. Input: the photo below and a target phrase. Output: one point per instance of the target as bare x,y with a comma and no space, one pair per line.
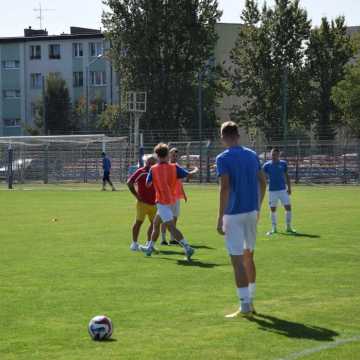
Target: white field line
327,346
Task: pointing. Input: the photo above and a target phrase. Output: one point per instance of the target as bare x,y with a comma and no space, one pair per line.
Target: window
101,107
33,110
35,52
98,106
78,79
96,49
36,81
55,74
97,78
12,122
54,51
11,64
11,94
78,50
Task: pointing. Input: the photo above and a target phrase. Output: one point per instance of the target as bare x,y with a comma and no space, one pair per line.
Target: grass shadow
198,263
170,252
292,329
105,341
194,246
202,247
297,234
193,263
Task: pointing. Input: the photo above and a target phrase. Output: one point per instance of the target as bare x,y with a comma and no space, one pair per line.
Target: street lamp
285,99
87,75
87,70
202,72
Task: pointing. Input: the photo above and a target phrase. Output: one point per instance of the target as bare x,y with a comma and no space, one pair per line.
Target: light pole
201,74
87,75
285,96
200,113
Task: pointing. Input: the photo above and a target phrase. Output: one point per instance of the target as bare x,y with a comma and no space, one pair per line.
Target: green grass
56,275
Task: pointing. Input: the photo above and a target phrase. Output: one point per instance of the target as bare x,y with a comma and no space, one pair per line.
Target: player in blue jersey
279,189
106,164
242,190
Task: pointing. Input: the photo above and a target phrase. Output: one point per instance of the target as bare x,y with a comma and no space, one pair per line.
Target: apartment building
78,57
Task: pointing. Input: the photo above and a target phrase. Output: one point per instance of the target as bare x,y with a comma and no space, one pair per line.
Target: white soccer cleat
134,246
246,310
147,250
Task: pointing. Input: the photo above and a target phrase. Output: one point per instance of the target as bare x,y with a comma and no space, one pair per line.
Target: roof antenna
41,11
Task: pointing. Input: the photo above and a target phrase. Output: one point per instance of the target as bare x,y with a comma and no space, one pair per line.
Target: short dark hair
275,149
161,150
103,154
229,129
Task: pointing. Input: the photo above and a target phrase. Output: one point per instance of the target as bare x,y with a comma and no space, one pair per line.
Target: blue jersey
275,171
242,166
106,164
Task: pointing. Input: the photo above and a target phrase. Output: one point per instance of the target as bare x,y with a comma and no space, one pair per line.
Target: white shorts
166,212
240,232
275,196
176,208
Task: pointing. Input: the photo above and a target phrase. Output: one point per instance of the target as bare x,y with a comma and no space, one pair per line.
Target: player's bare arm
223,201
193,172
132,189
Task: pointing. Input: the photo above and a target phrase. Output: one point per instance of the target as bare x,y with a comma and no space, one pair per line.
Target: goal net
58,159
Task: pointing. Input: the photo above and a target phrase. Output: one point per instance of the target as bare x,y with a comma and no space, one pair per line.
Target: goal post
60,159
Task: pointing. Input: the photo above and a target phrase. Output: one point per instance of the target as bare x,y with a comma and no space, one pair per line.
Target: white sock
244,295
150,244
273,219
288,218
163,236
252,290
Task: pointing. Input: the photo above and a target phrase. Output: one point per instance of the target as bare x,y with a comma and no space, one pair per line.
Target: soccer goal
60,159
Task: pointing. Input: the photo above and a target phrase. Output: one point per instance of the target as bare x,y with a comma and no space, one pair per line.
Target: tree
329,50
57,106
268,59
346,96
110,119
78,113
38,123
159,46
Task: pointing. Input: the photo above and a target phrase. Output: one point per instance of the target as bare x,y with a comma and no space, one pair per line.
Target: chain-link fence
307,163
78,159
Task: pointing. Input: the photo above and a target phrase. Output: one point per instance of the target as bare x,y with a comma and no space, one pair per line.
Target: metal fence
61,160
78,159
318,163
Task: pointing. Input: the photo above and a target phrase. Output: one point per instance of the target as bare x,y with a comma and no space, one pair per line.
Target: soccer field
56,275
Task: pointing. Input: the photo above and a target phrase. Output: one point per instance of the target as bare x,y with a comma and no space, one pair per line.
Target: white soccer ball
100,327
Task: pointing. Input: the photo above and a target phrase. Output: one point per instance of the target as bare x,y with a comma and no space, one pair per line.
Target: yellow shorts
143,210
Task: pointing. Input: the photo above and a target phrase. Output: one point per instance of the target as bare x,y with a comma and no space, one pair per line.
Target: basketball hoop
135,103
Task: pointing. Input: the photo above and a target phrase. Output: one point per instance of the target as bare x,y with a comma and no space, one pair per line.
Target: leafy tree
78,113
110,119
57,106
329,50
159,46
38,126
268,58
346,96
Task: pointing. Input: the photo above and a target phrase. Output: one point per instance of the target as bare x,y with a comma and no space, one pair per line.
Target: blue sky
17,14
